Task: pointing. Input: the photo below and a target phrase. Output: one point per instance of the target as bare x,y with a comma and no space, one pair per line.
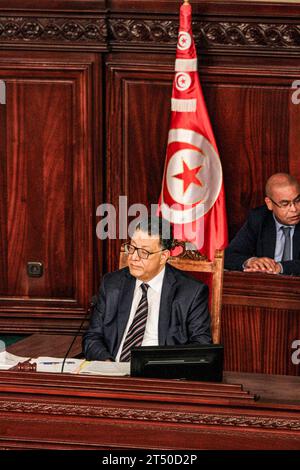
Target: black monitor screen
190,361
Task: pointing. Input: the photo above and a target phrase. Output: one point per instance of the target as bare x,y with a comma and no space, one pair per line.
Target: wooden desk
46,345
62,411
260,321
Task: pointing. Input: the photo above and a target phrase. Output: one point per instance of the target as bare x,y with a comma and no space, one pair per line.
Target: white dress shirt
153,295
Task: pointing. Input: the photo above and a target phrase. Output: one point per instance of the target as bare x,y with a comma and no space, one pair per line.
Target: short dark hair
154,226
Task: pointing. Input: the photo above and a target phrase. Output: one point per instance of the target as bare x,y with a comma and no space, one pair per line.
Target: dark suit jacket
257,237
183,314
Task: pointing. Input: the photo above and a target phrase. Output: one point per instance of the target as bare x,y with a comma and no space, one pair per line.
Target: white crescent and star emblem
184,40
183,176
182,81
193,177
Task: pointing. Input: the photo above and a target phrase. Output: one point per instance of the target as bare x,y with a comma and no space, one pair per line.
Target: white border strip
184,106
186,65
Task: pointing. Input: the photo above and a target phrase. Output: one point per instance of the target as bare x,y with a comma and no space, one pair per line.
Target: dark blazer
183,313
257,237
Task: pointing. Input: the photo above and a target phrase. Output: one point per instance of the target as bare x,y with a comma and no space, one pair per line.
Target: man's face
289,215
147,269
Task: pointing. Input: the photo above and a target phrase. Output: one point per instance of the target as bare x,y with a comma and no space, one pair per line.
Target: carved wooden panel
47,196
49,31
227,35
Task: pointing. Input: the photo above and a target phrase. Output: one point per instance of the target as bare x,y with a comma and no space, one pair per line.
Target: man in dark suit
269,241
174,304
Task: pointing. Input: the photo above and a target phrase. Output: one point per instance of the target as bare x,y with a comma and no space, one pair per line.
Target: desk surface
46,345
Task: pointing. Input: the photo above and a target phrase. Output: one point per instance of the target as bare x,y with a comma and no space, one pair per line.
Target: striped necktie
136,330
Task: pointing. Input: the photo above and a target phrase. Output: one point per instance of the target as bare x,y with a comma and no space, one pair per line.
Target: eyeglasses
142,253
287,204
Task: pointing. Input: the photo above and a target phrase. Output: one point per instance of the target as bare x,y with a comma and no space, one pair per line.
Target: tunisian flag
192,195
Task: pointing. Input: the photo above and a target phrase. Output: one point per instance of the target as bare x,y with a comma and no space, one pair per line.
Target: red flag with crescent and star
192,195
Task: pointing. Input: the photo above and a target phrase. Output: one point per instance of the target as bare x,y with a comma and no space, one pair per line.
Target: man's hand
264,264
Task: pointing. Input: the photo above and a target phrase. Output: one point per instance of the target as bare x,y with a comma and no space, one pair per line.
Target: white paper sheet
54,364
8,360
105,368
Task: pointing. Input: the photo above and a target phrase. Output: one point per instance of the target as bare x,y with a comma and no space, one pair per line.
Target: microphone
90,309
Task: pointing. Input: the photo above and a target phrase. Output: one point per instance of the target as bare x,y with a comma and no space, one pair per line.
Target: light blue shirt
280,238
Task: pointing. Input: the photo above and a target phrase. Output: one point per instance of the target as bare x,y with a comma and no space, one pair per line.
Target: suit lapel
269,237
165,308
125,302
296,242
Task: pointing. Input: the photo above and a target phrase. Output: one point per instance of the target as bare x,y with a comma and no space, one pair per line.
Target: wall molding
68,30
208,34
124,33
212,419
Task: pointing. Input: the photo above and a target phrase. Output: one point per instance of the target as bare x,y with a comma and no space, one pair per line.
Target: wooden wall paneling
50,191
241,336
3,198
207,7
259,339
225,7
137,123
260,322
268,291
97,178
293,334
275,344
261,144
251,151
293,131
39,181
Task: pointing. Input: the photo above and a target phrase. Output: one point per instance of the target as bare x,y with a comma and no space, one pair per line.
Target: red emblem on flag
192,196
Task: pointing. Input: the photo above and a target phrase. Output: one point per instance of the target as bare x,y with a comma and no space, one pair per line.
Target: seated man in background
149,303
269,241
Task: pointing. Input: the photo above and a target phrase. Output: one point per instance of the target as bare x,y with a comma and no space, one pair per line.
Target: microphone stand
89,311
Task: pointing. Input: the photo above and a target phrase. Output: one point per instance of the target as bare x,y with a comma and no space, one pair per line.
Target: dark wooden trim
208,7
54,5
230,27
